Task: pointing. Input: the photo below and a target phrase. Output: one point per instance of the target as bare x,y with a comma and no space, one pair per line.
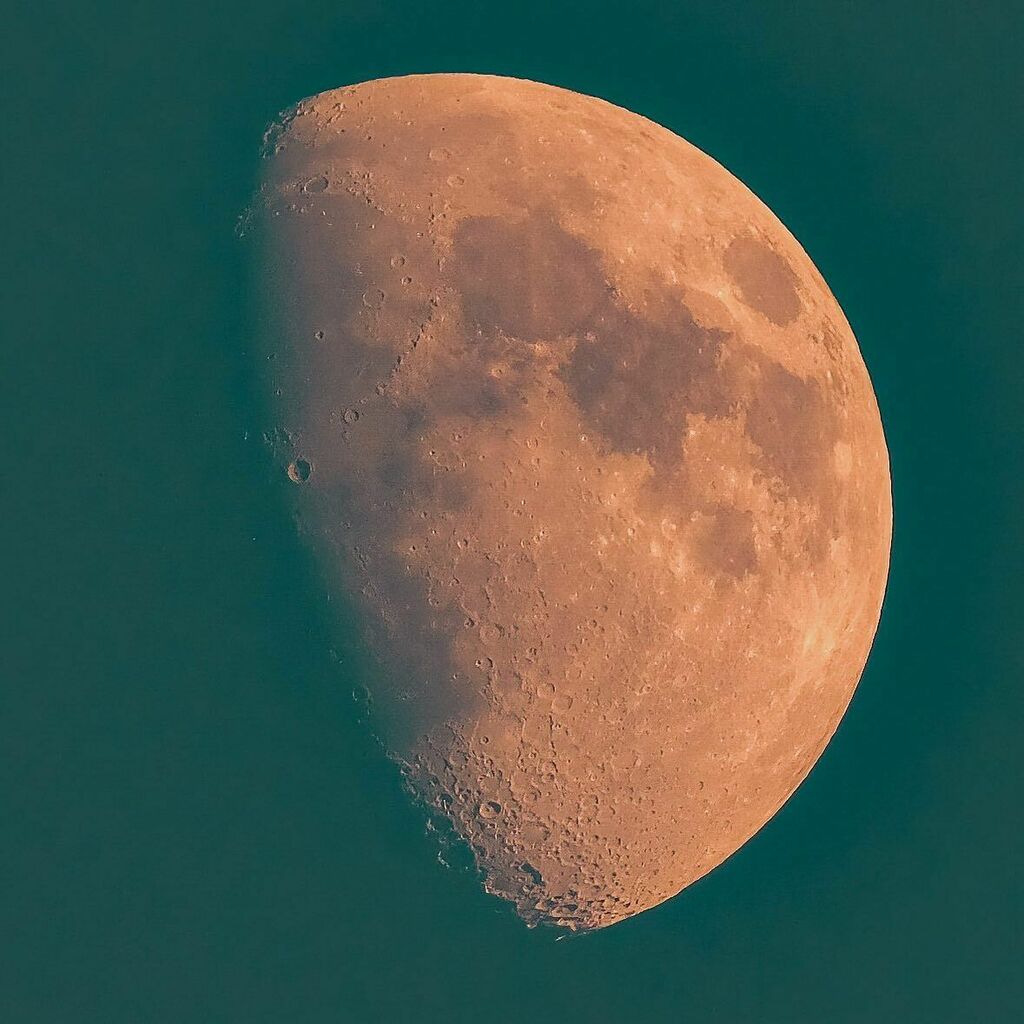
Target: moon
576,430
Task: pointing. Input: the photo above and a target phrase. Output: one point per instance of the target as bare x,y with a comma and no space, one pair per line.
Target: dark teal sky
196,826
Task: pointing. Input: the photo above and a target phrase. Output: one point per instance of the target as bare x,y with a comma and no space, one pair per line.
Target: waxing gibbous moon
578,433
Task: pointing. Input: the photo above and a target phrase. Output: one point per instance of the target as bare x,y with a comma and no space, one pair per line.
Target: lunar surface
577,431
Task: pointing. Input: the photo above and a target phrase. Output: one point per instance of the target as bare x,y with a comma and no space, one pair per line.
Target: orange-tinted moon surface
577,428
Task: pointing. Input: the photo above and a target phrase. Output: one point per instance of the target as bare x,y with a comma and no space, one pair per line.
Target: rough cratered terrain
577,426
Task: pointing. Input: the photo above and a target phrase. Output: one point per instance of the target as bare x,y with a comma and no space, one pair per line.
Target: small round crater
439,154
373,298
456,180
397,261
561,703
350,415
300,471
490,809
318,184
319,335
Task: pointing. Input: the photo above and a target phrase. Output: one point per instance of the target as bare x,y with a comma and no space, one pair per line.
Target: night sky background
196,826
